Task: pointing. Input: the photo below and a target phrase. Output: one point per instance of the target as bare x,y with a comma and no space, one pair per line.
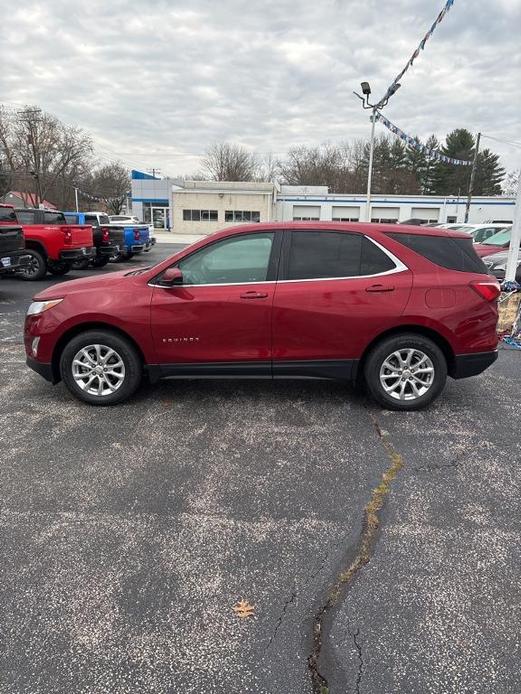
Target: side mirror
171,277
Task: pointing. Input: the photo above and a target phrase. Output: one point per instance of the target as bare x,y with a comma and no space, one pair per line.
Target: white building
316,203
201,207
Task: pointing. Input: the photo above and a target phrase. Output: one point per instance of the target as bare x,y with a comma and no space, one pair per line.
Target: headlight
40,306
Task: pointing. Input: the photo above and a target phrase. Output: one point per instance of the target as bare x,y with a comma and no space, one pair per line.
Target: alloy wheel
98,370
407,374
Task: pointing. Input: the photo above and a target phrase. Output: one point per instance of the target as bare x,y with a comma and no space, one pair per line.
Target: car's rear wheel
405,372
101,367
100,261
59,268
36,268
82,264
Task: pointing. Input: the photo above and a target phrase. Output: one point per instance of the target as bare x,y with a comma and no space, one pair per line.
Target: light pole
76,199
366,91
515,239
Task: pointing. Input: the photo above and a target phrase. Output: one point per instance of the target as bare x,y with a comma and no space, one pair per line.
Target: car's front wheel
101,367
405,372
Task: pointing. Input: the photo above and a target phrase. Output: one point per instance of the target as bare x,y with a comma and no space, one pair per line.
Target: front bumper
44,370
13,261
466,365
73,254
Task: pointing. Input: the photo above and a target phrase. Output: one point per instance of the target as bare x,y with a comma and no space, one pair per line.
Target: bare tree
268,168
511,183
40,150
229,162
111,183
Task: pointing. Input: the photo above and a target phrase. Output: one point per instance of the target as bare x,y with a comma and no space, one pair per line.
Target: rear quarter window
447,252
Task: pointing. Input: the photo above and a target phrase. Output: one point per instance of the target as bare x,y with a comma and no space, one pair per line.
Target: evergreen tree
427,182
489,174
449,179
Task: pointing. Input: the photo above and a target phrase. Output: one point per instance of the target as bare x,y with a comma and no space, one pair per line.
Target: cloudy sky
156,81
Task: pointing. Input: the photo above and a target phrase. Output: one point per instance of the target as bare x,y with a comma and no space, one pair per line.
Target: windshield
499,239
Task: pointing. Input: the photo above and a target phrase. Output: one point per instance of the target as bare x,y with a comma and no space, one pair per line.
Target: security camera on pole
515,239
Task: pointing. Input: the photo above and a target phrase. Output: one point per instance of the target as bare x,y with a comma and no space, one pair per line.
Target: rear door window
7,215
26,216
445,251
324,254
54,218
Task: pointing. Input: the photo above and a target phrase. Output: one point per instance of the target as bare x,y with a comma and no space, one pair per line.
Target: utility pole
515,239
472,177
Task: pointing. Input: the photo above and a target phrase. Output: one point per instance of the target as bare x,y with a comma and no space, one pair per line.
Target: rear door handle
380,288
254,295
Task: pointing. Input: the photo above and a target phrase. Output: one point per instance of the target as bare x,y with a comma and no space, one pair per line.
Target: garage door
345,214
385,214
305,212
429,214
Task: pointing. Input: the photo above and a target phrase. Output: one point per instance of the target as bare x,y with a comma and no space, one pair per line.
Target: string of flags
415,144
98,198
416,53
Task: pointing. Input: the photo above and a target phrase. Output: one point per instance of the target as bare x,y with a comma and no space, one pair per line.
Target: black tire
59,268
406,381
124,350
36,269
123,257
82,264
100,261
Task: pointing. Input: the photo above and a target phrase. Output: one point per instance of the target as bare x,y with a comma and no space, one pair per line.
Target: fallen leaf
243,609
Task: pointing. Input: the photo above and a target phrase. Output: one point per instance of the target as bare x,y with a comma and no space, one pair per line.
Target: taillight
487,289
136,234
68,235
105,235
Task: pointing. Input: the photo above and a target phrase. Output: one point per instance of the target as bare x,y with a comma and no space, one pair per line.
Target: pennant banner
416,53
413,142
97,198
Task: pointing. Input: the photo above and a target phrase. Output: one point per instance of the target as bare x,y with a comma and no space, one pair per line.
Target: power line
507,142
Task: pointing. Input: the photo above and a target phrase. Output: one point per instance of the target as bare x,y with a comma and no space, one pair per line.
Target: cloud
156,83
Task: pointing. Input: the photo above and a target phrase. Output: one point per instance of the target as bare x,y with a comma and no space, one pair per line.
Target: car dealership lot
128,534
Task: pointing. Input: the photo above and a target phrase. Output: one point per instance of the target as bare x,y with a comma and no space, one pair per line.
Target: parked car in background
52,244
129,219
494,244
132,240
481,232
496,265
398,307
12,246
105,242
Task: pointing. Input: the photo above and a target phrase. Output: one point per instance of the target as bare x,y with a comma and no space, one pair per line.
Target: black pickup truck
105,240
12,245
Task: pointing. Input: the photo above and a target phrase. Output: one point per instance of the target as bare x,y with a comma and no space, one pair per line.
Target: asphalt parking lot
129,534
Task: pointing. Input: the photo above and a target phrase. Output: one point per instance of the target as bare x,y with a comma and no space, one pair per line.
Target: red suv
399,307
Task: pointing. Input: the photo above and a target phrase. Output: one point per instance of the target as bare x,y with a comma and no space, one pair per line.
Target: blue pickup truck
129,238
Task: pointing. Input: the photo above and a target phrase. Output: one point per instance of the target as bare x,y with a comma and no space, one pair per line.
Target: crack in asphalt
441,466
364,553
287,603
360,661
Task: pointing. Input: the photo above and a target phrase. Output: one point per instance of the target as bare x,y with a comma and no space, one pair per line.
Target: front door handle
380,288
254,295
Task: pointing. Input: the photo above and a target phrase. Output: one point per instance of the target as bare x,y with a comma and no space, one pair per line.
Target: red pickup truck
52,244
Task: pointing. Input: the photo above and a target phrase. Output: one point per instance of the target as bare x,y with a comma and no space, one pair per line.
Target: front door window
238,260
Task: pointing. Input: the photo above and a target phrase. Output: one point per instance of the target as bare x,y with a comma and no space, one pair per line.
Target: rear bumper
73,254
466,365
13,260
44,370
107,250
